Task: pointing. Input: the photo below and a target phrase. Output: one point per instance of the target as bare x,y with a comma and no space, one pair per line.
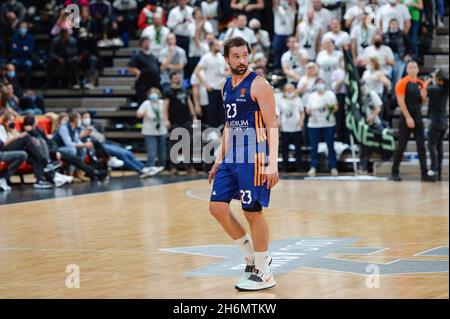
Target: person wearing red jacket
147,13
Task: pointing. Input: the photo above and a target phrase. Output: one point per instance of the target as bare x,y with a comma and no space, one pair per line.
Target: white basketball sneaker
249,268
257,281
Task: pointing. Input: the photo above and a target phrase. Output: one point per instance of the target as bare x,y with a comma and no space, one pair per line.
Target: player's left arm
262,93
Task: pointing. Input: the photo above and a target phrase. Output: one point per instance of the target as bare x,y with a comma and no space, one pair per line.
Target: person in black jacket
437,112
88,57
64,58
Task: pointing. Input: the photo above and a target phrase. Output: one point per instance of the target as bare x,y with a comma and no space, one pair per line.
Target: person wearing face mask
145,67
290,113
22,49
154,131
321,106
211,72
393,10
382,53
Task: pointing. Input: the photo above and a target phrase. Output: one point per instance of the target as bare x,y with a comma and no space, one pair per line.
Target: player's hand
271,177
213,172
410,122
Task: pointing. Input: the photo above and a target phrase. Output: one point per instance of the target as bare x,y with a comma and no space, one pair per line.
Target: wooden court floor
126,244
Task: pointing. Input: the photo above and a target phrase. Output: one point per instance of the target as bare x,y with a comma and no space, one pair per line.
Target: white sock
262,261
247,247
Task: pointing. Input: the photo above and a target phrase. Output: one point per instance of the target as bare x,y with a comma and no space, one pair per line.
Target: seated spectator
119,156
252,9
294,61
322,105
13,6
238,28
15,141
147,14
399,43
154,130
328,60
381,52
262,36
63,58
100,11
88,56
86,22
261,71
339,37
124,16
14,159
309,35
157,33
22,51
145,67
178,20
173,59
291,119
13,101
9,28
61,24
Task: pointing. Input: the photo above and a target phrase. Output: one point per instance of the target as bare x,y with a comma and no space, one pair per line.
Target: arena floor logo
293,253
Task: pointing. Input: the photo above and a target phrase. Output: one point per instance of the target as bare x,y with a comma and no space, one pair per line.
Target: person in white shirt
352,16
328,60
209,10
393,10
178,21
309,35
307,82
157,33
239,29
339,37
303,7
334,7
322,104
381,52
290,119
362,35
154,130
199,97
263,37
322,16
214,69
374,79
294,61
284,24
172,58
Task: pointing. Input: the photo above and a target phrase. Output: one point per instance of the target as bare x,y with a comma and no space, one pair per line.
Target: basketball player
246,163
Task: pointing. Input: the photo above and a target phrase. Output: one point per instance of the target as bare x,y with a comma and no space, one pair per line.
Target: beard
241,69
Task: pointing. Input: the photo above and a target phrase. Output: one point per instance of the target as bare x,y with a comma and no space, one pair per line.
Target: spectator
260,71
382,53
393,10
251,8
157,33
353,14
154,130
147,15
339,37
238,28
199,97
411,94
13,101
210,12
144,66
198,46
15,141
339,89
22,51
328,60
334,7
100,12
86,22
124,15
12,6
322,16
437,112
322,105
214,66
178,21
258,59
14,160
88,56
415,8
291,119
309,34
399,43
262,37
307,82
10,28
173,59
118,156
179,113
63,59
362,36
294,61
61,24
284,24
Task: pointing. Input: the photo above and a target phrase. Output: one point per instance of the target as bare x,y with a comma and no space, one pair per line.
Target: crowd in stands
179,68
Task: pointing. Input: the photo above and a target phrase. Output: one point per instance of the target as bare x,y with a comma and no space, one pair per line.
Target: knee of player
218,210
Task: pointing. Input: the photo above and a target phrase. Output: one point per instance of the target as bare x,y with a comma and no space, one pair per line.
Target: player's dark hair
235,42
